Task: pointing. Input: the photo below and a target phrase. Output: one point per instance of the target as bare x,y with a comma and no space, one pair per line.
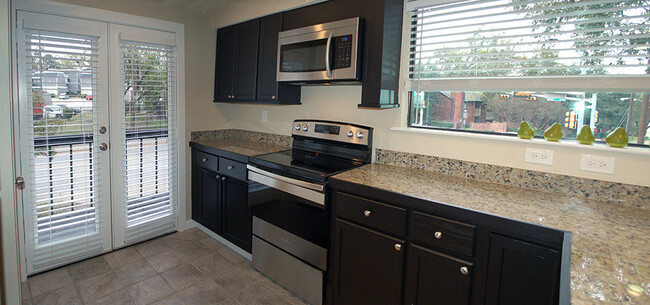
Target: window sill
572,144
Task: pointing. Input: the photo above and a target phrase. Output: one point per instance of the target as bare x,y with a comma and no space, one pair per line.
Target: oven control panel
336,131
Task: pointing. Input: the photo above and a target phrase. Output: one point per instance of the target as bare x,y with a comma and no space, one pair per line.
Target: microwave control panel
342,51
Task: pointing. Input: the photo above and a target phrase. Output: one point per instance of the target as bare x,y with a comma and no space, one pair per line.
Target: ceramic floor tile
67,295
204,292
164,261
99,286
234,278
211,243
135,272
183,276
120,297
152,247
150,290
24,290
260,293
122,257
231,255
88,268
27,302
49,281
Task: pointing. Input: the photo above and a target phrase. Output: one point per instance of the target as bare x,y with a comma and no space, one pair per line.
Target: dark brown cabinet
368,266
246,64
522,273
236,64
220,198
436,278
447,255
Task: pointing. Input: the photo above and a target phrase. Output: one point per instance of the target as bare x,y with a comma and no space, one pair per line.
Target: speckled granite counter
242,142
610,260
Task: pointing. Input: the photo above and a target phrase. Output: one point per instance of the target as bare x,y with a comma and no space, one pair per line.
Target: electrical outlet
539,156
265,116
598,164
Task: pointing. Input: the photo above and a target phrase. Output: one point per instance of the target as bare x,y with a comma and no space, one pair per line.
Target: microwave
322,53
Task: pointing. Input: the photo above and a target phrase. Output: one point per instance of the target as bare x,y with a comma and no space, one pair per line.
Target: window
487,65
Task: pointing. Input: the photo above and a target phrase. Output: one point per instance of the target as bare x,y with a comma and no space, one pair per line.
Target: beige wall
11,277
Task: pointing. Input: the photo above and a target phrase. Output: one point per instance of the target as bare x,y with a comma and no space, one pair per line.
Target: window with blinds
65,212
148,131
487,65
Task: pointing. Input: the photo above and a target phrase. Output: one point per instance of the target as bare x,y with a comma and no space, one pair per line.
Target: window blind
509,44
148,131
65,217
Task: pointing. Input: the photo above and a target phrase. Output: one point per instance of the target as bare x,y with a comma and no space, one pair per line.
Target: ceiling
211,5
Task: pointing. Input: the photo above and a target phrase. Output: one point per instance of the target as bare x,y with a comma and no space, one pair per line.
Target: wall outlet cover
598,164
538,156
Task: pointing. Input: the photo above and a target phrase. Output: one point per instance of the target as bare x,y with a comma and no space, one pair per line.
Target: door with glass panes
99,161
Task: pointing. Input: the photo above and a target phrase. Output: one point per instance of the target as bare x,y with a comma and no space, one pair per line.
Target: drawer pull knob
367,213
230,167
205,160
398,247
438,235
464,270
223,178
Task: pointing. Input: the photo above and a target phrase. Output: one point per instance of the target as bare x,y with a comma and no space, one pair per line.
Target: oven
287,196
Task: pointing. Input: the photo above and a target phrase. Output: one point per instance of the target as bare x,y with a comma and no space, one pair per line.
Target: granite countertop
610,261
242,146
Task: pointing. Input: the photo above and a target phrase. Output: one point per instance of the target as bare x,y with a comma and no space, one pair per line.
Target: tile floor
186,267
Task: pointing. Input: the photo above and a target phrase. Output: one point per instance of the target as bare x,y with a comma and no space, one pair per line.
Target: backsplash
611,192
264,137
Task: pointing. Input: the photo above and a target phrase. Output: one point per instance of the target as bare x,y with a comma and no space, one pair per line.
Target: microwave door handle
327,54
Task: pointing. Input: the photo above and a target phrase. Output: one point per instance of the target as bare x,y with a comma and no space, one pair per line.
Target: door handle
327,55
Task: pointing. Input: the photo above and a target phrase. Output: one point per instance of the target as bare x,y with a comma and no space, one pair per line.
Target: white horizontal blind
510,39
63,205
148,132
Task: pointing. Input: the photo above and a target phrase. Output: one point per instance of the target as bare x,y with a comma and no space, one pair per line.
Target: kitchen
397,143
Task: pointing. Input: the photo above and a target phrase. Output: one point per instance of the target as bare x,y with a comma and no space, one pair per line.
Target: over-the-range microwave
322,53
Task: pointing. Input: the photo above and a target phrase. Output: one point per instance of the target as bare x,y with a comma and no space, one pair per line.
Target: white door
97,161
143,118
66,200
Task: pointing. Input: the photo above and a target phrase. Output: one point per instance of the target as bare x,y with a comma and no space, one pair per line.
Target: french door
98,159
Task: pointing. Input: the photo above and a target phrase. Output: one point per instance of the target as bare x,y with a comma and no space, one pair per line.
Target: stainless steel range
288,200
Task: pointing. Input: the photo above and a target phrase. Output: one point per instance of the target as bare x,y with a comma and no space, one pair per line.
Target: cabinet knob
273,97
218,177
223,178
438,235
204,159
464,270
230,167
367,213
398,247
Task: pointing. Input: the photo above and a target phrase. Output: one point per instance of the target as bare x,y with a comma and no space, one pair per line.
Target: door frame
73,11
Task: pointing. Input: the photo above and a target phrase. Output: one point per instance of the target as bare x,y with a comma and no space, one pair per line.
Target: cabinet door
210,203
435,278
237,219
267,86
522,273
225,64
246,46
368,266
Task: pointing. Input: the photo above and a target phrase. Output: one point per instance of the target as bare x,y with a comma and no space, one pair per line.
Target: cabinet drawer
375,215
443,234
232,169
206,161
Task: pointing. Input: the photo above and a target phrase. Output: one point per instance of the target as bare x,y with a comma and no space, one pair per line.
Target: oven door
293,206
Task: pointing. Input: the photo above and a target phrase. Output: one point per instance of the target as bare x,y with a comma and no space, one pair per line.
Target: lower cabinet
436,278
219,201
368,266
385,253
522,273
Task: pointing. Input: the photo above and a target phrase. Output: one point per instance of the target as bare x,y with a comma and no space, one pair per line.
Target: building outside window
485,66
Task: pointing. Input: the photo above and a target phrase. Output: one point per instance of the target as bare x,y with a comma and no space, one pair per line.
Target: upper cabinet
245,64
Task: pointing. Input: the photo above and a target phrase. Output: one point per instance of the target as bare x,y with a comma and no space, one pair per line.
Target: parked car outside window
63,96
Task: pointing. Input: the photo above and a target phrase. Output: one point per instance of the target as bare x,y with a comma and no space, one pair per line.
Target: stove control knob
298,126
360,135
350,134
305,127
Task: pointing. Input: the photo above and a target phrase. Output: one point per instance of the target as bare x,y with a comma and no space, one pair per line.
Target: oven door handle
309,185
